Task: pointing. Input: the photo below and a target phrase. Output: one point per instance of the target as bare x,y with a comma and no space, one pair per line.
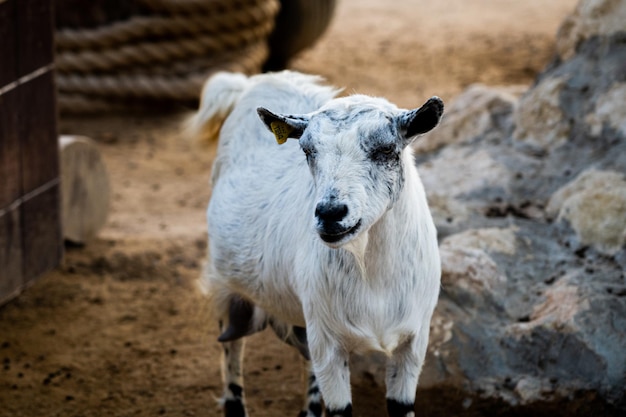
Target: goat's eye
309,152
386,149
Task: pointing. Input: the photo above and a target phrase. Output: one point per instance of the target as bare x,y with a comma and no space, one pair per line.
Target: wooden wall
30,230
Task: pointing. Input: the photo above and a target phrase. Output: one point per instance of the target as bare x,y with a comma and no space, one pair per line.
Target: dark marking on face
382,145
384,148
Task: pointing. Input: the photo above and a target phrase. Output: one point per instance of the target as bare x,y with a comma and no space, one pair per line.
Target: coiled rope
165,56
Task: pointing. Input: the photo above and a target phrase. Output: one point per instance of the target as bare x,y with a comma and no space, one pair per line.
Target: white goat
331,233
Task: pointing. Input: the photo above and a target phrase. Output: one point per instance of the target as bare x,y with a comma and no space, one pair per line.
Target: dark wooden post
30,229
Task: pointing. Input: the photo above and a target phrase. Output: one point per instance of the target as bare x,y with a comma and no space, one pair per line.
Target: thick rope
141,27
157,52
193,6
91,93
165,56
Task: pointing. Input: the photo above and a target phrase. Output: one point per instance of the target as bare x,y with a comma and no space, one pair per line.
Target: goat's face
354,148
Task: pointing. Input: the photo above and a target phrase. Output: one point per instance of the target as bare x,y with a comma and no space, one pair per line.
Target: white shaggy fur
373,285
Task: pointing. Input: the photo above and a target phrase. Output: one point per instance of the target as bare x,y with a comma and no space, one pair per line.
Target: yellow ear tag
281,131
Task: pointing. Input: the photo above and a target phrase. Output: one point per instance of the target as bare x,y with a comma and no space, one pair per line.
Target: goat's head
354,146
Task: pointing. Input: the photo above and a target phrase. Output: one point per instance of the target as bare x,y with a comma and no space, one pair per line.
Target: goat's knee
243,319
403,371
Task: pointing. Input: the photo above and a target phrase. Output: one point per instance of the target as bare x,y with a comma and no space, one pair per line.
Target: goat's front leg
313,397
403,369
330,365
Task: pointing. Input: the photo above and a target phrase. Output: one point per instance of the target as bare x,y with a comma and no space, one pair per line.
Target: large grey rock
529,197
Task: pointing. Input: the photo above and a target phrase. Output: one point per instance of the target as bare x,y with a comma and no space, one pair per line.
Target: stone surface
529,198
539,120
594,204
478,111
590,18
609,110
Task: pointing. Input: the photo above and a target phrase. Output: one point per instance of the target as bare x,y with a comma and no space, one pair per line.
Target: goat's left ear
418,121
283,126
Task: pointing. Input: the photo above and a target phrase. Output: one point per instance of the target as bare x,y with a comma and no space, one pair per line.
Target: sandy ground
119,329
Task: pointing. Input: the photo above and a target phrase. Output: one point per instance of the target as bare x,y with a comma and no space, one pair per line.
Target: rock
452,177
561,303
478,110
488,239
587,180
599,218
594,204
539,120
529,199
590,18
529,389
459,171
609,110
470,276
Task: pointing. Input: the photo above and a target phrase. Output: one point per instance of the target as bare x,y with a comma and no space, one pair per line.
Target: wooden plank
8,42
10,254
35,35
41,233
9,150
30,220
37,132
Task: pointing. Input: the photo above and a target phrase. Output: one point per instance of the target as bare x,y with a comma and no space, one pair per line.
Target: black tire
298,25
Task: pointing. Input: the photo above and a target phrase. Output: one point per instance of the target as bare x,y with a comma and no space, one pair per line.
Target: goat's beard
358,247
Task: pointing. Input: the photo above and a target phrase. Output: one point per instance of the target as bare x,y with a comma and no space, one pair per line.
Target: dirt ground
119,329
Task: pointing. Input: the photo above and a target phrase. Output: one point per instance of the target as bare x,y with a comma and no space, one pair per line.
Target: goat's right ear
283,126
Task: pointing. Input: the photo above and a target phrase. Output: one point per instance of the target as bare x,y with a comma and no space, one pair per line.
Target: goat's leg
239,318
403,369
313,397
232,377
330,366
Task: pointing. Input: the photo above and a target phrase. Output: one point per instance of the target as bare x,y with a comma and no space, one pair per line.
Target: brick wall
30,232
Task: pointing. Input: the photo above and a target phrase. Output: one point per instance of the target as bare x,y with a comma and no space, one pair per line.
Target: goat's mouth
337,236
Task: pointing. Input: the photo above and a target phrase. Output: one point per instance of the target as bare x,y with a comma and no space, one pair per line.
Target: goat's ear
418,121
283,126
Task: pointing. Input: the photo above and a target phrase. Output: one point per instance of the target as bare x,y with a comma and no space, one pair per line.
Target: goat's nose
331,212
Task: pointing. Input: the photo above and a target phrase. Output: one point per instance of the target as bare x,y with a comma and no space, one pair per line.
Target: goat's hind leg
232,376
239,319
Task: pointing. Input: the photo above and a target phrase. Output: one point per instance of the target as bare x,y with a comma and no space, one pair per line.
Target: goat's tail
219,95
